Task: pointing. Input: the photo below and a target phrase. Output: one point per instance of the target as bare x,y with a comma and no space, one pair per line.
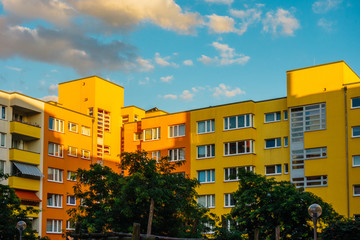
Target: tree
348,229
263,203
11,213
150,195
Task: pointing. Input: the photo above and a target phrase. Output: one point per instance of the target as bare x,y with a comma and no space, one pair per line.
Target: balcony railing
24,156
24,183
24,129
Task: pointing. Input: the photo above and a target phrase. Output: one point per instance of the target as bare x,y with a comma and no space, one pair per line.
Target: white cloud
186,95
224,90
227,56
325,24
247,17
221,24
144,65
54,71
14,68
188,62
281,19
53,88
170,96
145,81
164,61
220,1
167,78
323,6
52,98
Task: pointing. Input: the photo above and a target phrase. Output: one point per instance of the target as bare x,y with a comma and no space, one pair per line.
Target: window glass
356,160
356,131
355,102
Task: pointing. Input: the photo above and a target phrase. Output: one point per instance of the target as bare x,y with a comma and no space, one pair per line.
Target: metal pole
20,230
315,227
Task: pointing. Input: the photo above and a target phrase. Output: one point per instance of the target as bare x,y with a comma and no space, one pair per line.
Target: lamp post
21,225
315,211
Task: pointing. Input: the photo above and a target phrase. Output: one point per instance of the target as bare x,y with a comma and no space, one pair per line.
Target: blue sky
175,55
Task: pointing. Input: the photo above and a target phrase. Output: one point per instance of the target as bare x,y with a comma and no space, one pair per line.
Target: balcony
24,183
24,156
27,131
31,215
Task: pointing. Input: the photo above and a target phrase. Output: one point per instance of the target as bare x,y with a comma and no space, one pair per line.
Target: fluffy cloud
170,96
186,95
14,68
221,24
52,98
164,61
53,88
282,19
145,81
224,90
247,17
227,56
188,62
220,1
325,24
323,6
144,65
167,78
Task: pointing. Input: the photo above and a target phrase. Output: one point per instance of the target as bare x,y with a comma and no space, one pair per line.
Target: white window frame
56,200
156,155
248,123
227,148
86,131
352,103
2,112
212,173
227,203
56,226
70,174
68,200
57,175
83,151
210,122
302,154
322,180
58,149
354,188
3,140
68,225
286,168
275,114
174,131
286,115
276,166
208,153
69,151
286,141
352,132
57,125
175,154
353,158
208,199
155,134
70,125
227,172
277,142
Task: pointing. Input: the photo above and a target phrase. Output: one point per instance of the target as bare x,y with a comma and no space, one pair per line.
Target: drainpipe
347,153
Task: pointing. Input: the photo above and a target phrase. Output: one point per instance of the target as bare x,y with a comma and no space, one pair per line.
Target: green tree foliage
114,202
11,213
263,203
348,229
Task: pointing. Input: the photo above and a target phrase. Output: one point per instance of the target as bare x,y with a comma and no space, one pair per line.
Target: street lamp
21,225
315,211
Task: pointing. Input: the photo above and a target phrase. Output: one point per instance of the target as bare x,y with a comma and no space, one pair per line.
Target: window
54,200
85,154
285,115
53,226
229,200
177,131
177,154
206,126
106,150
85,130
355,102
237,148
70,225
272,143
103,120
310,153
71,176
206,151
286,141
55,149
356,161
316,181
91,111
137,136
286,168
156,155
151,134
356,131
56,125
71,200
206,201
272,117
72,151
240,121
231,174
73,127
206,176
3,112
55,175
356,190
2,139
273,169
2,167
315,117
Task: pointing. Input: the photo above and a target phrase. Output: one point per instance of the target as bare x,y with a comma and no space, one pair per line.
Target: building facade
311,137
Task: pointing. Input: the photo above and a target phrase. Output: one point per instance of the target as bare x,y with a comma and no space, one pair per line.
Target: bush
348,229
